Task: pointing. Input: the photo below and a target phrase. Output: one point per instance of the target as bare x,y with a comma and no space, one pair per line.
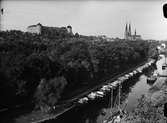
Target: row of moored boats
101,92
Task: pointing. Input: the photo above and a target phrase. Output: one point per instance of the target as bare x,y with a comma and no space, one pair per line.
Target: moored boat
83,100
127,76
99,93
92,96
153,78
131,74
134,72
105,88
164,65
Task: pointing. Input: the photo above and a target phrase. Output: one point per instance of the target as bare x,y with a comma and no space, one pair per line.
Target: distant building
106,38
129,36
40,29
35,28
163,45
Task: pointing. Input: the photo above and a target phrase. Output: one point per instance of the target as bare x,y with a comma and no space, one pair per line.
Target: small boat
164,65
83,100
152,78
100,94
131,74
139,70
134,72
92,96
127,76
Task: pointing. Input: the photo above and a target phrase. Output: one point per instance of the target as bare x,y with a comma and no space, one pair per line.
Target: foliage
146,112
64,63
47,90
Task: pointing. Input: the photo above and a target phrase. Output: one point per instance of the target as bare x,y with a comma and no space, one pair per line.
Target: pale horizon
89,17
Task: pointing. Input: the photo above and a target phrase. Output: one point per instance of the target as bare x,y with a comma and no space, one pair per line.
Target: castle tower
69,29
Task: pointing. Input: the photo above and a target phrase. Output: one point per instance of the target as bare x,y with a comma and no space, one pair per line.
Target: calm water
93,112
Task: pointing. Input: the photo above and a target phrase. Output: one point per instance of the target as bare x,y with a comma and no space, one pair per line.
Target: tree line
42,70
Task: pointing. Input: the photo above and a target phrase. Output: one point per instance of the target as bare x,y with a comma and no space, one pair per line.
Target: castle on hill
128,34
40,29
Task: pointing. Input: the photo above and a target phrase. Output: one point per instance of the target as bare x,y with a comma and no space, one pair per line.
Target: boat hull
151,80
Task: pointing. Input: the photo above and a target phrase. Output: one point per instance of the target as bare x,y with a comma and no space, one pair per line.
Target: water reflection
88,113
99,110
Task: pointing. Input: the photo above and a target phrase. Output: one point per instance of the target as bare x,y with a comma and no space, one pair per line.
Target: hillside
43,70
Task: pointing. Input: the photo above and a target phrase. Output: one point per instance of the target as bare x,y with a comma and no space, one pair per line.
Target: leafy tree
64,62
49,91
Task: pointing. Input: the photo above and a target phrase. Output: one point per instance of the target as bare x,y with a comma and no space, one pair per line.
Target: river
97,111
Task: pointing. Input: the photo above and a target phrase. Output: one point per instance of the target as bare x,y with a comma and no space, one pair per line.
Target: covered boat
83,100
92,96
100,93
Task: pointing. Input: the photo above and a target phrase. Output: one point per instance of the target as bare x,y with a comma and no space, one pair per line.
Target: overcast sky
89,17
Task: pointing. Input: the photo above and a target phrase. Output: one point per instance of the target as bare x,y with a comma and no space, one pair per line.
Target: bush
49,91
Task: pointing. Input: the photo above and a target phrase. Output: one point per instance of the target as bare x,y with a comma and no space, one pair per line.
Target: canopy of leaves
62,64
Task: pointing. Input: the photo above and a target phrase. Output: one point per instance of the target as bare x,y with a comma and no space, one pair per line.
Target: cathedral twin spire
128,30
128,34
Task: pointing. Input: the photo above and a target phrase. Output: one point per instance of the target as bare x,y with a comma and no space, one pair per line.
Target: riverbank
151,105
158,92
37,116
146,112
150,108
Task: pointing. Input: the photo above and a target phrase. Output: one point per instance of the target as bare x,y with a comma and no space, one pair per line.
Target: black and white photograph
83,61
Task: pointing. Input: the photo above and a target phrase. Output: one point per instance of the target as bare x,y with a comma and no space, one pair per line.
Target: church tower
126,32
129,29
135,31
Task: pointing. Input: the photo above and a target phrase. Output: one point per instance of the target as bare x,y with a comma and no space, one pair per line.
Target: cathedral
129,36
